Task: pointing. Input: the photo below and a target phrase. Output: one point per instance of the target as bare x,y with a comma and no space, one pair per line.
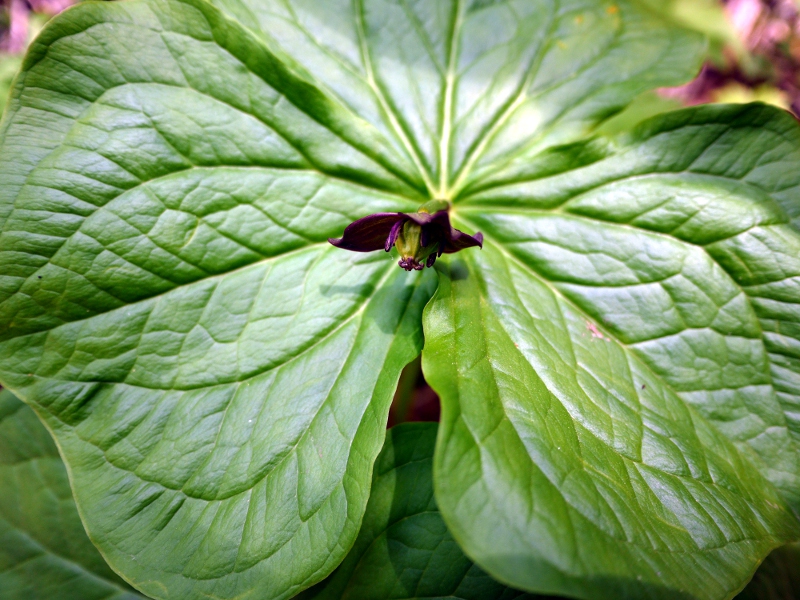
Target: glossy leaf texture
404,550
461,86
217,375
44,551
619,368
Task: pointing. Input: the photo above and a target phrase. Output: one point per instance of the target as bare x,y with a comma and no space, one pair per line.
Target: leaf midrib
394,120
507,110
358,309
508,158
447,101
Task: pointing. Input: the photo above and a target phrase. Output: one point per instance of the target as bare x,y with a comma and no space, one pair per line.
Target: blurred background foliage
778,578
20,22
753,56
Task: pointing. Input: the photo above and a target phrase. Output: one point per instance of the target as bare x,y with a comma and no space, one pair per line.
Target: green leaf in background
44,551
9,65
778,577
619,366
707,17
404,550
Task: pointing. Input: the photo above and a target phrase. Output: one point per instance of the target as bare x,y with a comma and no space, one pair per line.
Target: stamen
425,237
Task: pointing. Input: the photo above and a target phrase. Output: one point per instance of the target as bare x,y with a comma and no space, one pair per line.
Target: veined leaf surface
44,551
217,377
404,550
619,369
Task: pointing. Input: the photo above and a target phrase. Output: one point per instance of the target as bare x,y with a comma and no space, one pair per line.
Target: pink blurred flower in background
16,36
770,34
763,25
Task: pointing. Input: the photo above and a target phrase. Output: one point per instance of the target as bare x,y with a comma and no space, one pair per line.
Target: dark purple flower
420,237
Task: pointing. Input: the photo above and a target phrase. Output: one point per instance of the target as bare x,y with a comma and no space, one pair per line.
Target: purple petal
461,240
454,240
368,234
425,237
393,234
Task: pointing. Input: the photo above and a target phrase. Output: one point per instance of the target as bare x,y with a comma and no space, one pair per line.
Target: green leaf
44,551
619,368
709,17
218,377
404,550
461,85
778,577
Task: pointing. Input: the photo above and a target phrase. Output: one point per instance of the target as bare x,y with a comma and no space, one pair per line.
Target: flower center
410,246
434,206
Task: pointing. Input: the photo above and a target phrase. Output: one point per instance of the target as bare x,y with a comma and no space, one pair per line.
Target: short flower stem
403,402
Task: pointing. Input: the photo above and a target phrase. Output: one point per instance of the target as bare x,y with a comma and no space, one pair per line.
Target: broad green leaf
44,551
404,550
218,377
778,577
619,369
461,85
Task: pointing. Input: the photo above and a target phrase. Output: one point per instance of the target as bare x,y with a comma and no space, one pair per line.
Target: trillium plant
420,237
617,352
